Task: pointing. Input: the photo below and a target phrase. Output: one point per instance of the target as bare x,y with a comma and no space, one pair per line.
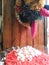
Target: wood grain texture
23,37
36,39
41,35
17,35
29,37
7,24
39,38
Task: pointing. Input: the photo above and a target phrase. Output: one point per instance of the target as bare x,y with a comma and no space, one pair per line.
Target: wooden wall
17,35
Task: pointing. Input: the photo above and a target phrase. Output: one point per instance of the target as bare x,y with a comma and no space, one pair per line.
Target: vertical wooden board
41,35
29,37
7,35
36,39
16,33
23,36
4,1
7,24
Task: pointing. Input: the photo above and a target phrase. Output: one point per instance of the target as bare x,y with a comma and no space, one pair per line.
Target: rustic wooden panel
7,24
23,38
36,39
17,35
29,37
21,35
41,36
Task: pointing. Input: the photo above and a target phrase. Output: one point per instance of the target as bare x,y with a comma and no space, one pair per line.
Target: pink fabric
42,59
33,29
44,12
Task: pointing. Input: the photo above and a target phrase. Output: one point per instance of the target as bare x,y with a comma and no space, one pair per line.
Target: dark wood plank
7,24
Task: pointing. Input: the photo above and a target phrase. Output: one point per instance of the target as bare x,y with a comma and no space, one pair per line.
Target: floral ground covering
27,56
